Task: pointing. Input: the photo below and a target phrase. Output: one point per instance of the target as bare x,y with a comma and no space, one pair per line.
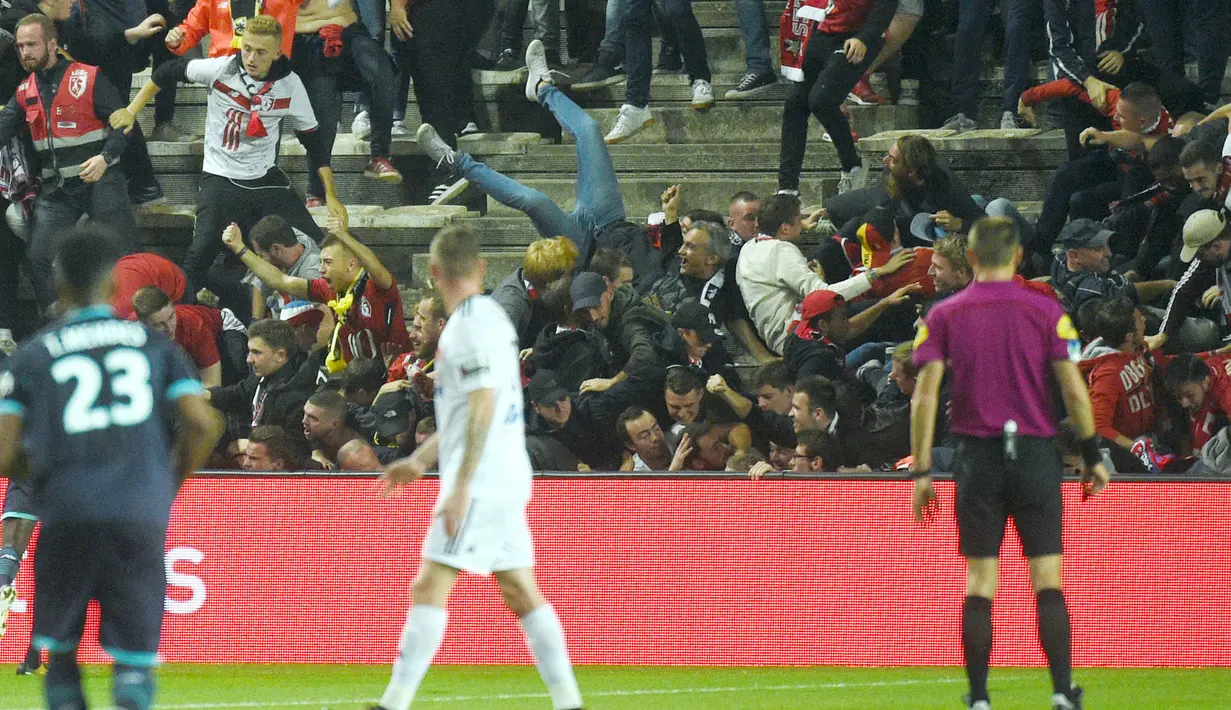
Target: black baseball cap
691,315
587,290
393,413
544,390
1085,233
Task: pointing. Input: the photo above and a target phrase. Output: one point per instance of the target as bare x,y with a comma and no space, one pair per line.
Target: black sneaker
148,195
32,663
1067,701
605,72
751,85
508,61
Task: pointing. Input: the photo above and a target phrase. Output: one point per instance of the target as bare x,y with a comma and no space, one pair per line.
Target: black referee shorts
121,565
991,489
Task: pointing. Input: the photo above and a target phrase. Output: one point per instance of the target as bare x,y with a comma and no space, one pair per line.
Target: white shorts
493,537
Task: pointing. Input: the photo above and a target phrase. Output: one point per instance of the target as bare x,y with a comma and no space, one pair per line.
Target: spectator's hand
946,221
149,27
1111,62
392,387
401,472
582,468
233,238
1092,136
855,50
92,170
175,37
1156,342
717,385
813,219
122,119
903,294
923,501
759,469
1211,296
338,220
400,22
682,452
671,204
815,267
1097,89
1026,112
597,384
1221,112
1094,479
896,262
524,355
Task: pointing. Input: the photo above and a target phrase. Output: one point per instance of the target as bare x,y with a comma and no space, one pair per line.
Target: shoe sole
391,178
455,191
647,124
736,94
591,85
703,106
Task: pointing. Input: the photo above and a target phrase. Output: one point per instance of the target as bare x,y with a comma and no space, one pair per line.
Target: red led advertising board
682,572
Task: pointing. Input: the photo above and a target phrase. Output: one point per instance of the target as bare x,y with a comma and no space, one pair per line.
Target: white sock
545,637
425,627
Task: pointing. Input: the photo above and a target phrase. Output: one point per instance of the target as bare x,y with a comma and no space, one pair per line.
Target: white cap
1201,228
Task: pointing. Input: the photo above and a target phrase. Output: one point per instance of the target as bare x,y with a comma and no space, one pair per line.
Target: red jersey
1212,416
1061,88
136,271
374,319
196,331
1122,393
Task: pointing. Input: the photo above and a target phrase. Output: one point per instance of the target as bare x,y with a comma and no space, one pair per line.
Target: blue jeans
638,26
973,16
756,38
599,202
866,352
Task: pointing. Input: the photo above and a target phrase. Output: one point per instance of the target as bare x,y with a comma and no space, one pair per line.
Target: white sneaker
361,127
702,95
960,122
852,179
8,595
538,71
784,191
1008,121
981,705
399,128
631,121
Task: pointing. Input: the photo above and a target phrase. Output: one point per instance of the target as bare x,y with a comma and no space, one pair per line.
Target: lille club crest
77,82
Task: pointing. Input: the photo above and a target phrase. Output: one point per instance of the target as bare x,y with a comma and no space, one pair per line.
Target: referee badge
1066,331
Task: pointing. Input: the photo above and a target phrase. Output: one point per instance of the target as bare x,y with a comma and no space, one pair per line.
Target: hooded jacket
574,354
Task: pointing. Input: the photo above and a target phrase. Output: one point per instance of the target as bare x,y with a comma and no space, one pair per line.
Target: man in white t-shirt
479,524
250,95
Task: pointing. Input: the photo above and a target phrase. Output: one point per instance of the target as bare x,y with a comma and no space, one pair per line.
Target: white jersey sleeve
207,71
302,117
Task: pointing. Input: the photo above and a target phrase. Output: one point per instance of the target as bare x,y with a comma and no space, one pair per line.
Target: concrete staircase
734,146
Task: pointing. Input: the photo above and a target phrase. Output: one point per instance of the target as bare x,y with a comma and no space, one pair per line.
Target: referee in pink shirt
1005,345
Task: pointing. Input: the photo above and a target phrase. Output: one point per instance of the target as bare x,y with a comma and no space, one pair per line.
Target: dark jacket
630,330
574,355
589,433
1070,33
1077,287
285,393
940,190
633,240
672,351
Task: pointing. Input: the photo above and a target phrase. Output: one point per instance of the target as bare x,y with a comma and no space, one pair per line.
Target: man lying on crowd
356,286
338,446
293,252
519,293
214,339
774,277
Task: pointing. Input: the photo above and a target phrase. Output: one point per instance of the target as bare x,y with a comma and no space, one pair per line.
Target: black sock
64,683
34,657
977,644
10,562
1056,637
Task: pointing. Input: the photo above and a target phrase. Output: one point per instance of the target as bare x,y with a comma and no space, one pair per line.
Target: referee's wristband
1090,453
916,475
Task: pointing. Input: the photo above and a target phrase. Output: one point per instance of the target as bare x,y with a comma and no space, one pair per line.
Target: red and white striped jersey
244,116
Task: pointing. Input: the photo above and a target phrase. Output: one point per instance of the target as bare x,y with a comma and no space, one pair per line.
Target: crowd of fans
630,334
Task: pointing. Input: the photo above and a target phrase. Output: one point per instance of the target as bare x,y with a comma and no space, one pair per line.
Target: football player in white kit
479,522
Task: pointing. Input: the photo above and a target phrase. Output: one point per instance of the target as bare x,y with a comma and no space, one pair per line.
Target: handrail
887,476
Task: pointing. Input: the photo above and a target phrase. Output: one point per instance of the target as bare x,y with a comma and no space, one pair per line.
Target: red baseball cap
817,303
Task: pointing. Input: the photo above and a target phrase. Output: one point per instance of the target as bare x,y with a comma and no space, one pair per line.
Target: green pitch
187,687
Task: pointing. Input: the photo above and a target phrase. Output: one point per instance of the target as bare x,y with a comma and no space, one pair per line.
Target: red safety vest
71,133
